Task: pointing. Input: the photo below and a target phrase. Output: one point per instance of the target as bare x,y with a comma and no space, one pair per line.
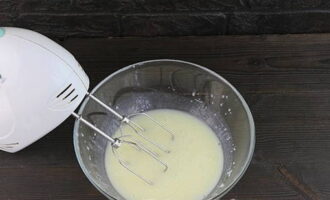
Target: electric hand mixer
41,84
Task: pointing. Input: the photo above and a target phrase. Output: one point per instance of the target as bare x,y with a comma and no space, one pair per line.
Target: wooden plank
285,79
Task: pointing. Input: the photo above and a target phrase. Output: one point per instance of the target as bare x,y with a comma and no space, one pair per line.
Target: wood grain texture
68,25
152,6
278,22
285,79
173,25
111,18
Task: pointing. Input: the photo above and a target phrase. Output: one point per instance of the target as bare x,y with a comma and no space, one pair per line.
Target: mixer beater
119,141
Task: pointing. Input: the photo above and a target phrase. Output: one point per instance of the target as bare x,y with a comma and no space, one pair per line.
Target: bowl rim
240,97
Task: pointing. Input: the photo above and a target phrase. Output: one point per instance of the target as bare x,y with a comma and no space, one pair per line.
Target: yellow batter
195,160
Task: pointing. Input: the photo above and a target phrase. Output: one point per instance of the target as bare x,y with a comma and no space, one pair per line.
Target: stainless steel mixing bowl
169,84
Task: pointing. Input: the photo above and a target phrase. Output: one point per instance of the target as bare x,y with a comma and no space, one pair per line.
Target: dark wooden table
284,79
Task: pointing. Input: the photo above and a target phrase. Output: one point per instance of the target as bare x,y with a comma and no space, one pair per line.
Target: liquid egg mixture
194,159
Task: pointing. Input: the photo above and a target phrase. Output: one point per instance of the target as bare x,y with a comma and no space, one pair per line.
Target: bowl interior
167,84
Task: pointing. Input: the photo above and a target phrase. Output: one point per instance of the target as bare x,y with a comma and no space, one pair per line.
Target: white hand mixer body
41,84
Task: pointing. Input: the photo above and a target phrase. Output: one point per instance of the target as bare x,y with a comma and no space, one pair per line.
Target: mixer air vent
64,97
73,98
58,96
68,94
